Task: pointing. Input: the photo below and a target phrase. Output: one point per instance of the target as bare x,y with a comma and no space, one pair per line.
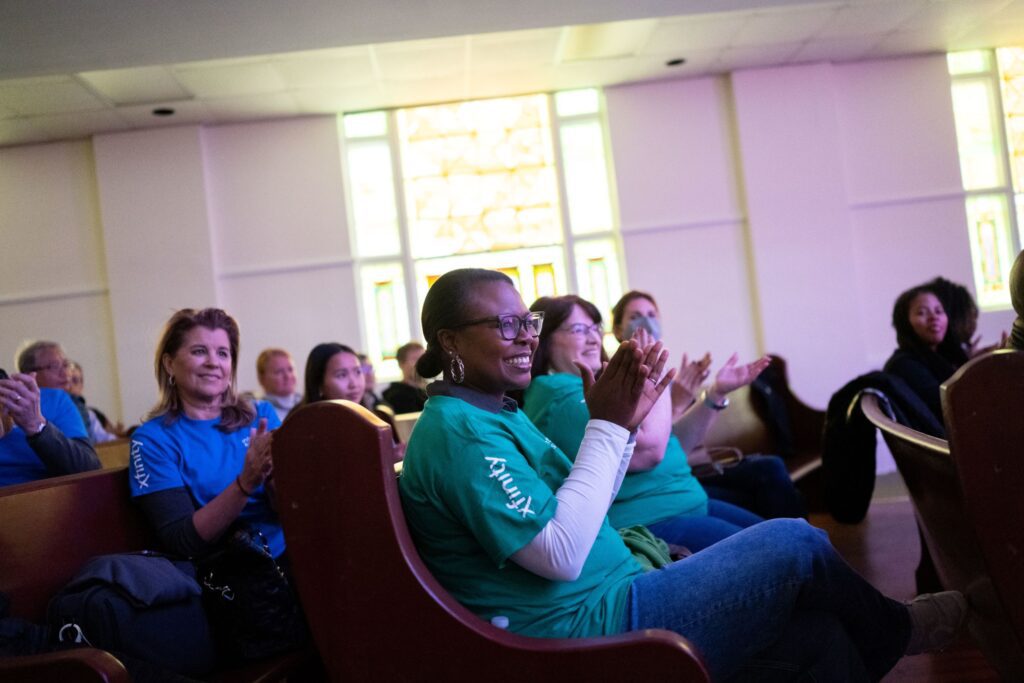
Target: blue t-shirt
18,462
203,459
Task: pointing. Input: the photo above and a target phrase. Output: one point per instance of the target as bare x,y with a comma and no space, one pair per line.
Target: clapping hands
630,383
732,376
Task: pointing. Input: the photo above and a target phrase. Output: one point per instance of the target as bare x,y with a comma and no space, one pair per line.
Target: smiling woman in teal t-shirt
513,529
659,491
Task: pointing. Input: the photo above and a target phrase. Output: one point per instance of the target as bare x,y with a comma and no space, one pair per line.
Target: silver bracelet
705,398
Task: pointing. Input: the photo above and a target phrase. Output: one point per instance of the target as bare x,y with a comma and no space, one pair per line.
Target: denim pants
759,483
697,532
775,599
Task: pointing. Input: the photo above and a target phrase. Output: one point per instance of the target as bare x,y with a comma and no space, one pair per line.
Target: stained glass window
479,176
520,185
988,105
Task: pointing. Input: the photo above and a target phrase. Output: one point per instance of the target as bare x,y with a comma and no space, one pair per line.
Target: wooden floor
885,550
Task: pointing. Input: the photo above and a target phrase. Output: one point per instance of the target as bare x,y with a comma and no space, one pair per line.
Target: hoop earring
170,380
457,369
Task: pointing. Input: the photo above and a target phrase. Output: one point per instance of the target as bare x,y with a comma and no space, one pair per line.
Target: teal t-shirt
476,487
555,405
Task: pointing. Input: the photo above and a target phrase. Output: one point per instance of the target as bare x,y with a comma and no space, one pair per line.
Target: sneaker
935,620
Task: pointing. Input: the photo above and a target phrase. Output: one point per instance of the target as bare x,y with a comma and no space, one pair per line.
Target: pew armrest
83,665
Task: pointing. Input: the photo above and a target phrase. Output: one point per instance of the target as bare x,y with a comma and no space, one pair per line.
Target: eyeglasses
510,325
582,329
55,366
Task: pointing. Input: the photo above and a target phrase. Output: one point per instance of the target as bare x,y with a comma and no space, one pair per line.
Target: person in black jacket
409,395
921,326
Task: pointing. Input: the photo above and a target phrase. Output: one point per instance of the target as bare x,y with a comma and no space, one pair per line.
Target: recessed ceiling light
678,61
163,111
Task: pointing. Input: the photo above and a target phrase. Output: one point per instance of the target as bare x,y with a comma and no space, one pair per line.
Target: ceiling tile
519,49
19,132
1002,28
874,17
326,69
78,124
135,86
907,43
415,63
836,50
49,95
682,35
229,79
185,112
425,90
755,56
952,18
255,106
782,26
335,100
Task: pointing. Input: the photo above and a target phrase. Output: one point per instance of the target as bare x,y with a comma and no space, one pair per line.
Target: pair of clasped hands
19,403
631,383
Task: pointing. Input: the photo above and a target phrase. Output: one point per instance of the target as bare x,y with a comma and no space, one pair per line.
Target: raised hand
733,376
629,385
19,400
688,380
258,463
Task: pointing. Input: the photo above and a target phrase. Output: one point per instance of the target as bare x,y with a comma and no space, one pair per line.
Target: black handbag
252,607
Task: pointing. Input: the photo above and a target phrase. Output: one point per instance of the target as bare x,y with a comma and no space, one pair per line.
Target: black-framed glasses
583,329
510,325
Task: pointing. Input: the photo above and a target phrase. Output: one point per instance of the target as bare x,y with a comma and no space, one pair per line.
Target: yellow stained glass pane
586,177
598,274
977,134
536,272
1011,80
577,102
372,192
969,62
989,223
479,176
387,319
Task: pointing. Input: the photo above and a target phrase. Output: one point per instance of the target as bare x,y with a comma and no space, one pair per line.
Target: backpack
140,604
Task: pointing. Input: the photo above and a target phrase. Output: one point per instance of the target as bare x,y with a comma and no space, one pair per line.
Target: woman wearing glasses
513,529
658,490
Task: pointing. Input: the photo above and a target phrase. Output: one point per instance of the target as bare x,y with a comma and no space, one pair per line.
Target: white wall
776,210
283,254
783,210
681,217
53,282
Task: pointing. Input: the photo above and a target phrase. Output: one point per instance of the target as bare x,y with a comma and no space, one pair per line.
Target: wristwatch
38,430
706,399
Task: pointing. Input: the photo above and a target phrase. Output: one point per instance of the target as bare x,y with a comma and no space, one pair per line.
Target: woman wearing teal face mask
759,483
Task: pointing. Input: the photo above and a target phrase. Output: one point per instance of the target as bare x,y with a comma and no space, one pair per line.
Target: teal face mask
650,324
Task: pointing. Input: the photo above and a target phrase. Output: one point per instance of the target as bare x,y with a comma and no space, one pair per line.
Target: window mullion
563,198
408,264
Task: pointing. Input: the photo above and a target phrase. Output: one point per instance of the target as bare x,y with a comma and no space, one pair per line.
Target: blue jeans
697,532
750,601
759,483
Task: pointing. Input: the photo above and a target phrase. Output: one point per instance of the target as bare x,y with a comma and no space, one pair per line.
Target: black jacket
848,447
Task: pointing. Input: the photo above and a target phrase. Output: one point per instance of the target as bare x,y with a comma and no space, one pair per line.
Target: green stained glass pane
1011,80
586,177
598,274
577,102
970,62
479,176
372,193
387,319
366,125
977,134
988,221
